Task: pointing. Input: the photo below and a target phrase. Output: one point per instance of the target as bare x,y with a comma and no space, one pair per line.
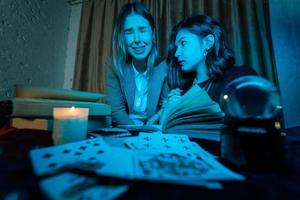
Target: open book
195,115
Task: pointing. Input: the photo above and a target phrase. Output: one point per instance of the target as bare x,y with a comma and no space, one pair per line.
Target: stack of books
32,108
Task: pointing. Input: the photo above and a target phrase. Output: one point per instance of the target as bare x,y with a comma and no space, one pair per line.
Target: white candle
70,124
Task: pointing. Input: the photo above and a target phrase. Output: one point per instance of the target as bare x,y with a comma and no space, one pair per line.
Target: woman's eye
128,31
183,43
143,30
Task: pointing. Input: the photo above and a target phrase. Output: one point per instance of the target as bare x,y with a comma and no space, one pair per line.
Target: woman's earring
205,52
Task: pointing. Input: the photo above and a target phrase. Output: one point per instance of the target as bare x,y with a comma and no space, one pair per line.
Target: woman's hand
173,96
155,118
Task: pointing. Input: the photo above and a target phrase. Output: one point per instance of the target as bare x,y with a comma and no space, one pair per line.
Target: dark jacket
219,84
121,91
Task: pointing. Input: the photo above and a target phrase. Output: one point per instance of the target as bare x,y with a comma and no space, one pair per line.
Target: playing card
120,164
164,142
159,157
175,142
131,142
69,186
175,158
146,142
180,168
110,132
169,166
93,153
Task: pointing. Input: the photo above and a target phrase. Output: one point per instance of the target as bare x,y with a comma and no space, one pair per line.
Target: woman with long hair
199,54
135,77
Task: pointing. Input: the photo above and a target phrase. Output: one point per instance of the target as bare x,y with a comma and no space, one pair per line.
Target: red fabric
15,168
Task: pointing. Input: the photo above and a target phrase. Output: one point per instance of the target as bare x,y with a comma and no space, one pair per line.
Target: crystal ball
251,97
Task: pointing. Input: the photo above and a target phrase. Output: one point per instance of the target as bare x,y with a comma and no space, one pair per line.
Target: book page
196,100
187,101
197,111
207,120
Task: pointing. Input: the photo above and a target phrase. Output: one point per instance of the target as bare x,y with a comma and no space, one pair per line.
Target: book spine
44,108
26,91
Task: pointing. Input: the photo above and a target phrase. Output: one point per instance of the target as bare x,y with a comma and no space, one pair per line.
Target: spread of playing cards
154,157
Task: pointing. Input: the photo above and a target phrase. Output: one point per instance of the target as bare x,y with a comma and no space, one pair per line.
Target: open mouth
139,50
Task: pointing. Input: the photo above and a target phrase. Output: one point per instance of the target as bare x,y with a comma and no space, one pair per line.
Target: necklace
207,86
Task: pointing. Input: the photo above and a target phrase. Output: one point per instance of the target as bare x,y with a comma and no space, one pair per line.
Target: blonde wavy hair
120,57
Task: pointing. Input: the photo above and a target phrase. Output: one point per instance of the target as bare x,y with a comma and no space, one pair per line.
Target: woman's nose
137,38
177,52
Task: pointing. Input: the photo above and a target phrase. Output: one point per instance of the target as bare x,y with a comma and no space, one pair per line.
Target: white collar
136,73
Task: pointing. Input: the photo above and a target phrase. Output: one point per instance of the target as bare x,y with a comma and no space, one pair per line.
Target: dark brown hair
218,59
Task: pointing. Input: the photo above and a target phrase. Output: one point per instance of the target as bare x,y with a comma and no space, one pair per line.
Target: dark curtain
245,21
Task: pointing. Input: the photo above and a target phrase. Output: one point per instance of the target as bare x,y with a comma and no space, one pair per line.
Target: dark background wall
285,25
33,42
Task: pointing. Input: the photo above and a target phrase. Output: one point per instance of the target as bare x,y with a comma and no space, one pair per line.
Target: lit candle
70,124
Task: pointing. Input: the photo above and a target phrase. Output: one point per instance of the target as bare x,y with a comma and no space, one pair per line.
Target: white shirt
141,96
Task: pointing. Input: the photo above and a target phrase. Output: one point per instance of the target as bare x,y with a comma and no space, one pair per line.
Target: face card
170,166
174,157
176,167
